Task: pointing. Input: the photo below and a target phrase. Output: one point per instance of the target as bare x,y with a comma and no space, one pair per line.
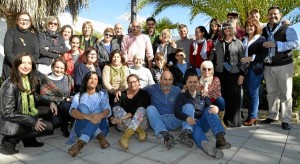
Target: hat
234,14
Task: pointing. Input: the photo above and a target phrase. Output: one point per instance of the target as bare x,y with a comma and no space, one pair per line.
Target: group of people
83,84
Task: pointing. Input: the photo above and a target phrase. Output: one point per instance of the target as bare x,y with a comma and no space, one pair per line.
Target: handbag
258,68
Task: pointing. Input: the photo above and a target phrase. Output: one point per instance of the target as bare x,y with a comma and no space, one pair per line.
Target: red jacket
196,60
70,62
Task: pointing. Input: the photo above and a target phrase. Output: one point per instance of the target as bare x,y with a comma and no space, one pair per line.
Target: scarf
82,42
203,52
28,106
206,82
117,74
271,38
247,43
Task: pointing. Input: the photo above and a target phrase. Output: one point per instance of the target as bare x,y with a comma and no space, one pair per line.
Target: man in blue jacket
204,116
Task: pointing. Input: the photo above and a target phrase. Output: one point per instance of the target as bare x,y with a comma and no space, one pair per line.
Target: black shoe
221,141
64,130
286,126
8,148
267,121
32,142
169,141
185,138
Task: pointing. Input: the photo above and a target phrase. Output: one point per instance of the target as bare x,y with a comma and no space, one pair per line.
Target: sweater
144,75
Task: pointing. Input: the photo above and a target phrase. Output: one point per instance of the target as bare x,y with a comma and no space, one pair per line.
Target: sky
110,12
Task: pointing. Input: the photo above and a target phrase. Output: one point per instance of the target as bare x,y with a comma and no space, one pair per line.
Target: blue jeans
220,102
206,122
253,84
86,129
161,123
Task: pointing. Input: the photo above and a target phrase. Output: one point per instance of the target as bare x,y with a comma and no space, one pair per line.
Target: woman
210,86
58,88
115,75
86,39
129,112
72,56
181,69
106,46
89,62
214,30
17,40
20,118
90,108
51,44
201,48
167,47
144,74
67,31
159,67
254,55
230,71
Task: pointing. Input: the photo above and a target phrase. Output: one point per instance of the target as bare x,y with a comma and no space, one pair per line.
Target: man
279,68
199,115
129,111
137,43
234,18
152,33
118,34
184,42
161,111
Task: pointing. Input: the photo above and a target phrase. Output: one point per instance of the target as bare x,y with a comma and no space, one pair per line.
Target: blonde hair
51,19
207,64
165,31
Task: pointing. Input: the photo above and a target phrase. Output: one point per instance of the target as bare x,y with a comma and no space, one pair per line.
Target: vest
281,58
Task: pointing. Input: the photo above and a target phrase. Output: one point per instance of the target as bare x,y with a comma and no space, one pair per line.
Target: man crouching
203,118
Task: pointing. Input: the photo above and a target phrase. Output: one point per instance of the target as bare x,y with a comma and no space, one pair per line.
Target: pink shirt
132,45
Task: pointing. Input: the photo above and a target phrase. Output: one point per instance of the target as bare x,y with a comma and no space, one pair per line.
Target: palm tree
162,24
39,9
219,9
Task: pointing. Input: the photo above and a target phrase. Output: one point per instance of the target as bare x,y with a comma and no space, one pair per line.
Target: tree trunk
9,16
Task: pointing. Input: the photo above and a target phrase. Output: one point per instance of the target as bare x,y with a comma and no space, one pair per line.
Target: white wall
3,28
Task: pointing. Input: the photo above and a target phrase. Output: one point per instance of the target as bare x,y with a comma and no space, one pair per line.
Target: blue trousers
86,129
253,84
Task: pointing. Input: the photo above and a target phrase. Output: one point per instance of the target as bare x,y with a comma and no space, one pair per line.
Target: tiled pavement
267,144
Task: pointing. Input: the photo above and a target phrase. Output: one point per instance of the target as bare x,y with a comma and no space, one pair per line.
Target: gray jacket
103,55
236,53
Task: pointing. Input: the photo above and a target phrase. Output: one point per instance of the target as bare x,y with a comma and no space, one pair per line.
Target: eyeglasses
108,35
52,23
227,28
24,20
206,69
132,82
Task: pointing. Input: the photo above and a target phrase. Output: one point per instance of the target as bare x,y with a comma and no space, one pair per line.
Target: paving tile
294,137
249,156
192,157
160,153
292,151
137,147
244,131
48,157
264,146
7,159
57,142
279,138
286,160
272,129
139,160
228,153
107,156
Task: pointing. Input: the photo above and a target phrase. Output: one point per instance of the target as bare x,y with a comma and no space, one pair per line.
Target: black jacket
186,98
11,108
179,77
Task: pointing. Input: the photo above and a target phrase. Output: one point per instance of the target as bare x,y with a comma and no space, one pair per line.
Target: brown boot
74,150
221,116
102,141
142,134
124,139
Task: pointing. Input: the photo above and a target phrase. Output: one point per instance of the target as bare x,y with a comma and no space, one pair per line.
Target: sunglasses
227,28
108,35
206,69
52,23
